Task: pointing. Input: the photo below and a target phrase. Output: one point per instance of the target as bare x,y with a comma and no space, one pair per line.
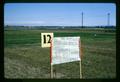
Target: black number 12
44,36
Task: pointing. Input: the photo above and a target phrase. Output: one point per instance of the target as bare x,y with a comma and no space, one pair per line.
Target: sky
59,14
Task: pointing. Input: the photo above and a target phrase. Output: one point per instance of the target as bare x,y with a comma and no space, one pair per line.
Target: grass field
24,57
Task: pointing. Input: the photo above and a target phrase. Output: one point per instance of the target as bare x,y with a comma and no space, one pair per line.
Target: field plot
25,58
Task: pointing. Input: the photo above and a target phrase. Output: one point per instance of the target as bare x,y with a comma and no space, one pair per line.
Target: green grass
24,57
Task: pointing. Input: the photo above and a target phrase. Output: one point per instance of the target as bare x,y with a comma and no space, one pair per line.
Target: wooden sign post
51,66
80,47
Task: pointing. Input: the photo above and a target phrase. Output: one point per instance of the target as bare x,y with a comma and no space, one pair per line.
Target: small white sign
65,49
46,39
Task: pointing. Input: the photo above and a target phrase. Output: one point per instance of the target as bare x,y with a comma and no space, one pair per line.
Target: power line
108,19
82,19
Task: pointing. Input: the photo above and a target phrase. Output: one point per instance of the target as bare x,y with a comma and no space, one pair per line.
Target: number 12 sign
45,39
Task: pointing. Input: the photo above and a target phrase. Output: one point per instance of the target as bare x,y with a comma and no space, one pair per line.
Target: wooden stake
80,70
51,66
54,73
80,47
51,73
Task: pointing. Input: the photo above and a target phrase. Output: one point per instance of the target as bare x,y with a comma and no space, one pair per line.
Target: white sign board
46,39
65,49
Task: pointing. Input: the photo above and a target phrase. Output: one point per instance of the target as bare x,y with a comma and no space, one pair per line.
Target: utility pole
82,19
108,19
